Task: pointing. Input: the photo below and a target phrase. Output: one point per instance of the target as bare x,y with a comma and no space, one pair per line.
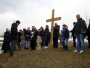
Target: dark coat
73,31
88,30
79,25
6,42
56,31
19,35
27,33
46,31
7,36
42,34
14,32
35,35
66,33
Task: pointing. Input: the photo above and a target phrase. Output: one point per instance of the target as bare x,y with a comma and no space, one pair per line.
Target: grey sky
35,12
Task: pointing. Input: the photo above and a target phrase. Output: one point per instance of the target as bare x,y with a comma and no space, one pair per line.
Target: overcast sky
35,12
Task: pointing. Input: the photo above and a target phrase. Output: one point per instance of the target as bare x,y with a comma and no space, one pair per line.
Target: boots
66,48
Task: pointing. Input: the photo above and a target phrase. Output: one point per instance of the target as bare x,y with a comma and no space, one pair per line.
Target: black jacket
56,31
42,34
73,31
14,32
7,36
79,25
47,34
27,33
19,35
66,33
35,35
88,30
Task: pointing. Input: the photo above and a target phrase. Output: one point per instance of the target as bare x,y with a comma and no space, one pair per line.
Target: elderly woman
6,42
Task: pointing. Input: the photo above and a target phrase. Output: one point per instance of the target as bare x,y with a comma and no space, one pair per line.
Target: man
14,33
74,37
56,35
88,34
33,37
42,34
80,30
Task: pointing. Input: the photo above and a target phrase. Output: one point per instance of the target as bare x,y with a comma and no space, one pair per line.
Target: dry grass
55,58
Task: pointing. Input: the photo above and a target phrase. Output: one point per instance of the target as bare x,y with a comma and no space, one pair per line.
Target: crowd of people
36,39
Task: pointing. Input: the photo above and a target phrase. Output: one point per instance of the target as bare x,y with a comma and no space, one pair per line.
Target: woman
88,34
6,43
27,37
47,36
23,39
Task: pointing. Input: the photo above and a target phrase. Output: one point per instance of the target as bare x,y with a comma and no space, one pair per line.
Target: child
61,40
66,37
63,29
39,41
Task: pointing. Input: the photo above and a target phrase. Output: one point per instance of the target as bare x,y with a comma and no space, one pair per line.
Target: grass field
55,58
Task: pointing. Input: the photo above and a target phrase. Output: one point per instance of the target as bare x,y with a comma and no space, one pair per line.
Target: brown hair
47,26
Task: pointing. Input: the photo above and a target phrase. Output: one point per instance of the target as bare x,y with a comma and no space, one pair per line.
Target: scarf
32,31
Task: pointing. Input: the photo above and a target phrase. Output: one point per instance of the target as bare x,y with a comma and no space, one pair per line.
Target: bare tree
86,17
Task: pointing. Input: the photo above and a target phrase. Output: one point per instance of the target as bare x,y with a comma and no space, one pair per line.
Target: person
74,37
33,37
23,39
47,36
19,39
63,29
66,37
27,37
80,30
42,34
61,39
88,34
6,42
56,35
39,41
38,32
14,33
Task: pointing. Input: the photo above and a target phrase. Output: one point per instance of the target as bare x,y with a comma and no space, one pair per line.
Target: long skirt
6,46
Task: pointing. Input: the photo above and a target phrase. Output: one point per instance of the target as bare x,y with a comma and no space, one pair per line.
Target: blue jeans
12,47
65,41
27,44
22,43
80,38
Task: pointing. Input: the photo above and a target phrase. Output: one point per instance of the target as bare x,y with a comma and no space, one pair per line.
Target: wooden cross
52,24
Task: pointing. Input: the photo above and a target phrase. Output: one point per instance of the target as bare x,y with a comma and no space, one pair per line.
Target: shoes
81,51
13,56
76,51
